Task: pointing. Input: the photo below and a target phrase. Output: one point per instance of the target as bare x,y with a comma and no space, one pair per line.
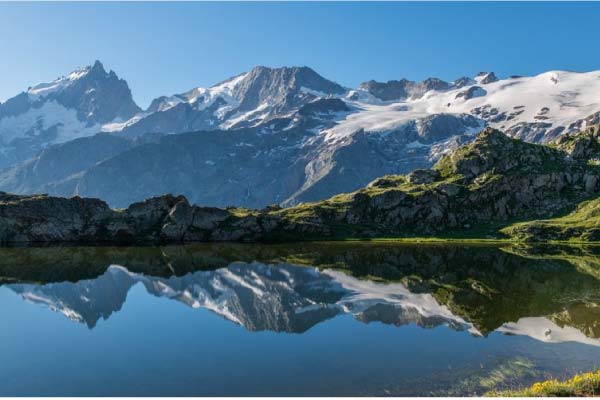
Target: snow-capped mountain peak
69,107
245,100
60,83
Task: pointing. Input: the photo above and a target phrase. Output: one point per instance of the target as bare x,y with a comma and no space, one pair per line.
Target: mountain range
268,136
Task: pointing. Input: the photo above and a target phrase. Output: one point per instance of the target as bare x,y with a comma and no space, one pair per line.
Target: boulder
423,176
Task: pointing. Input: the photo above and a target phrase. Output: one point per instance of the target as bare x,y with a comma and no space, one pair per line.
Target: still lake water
306,319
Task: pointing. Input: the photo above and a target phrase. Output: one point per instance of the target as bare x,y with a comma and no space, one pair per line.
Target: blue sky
165,48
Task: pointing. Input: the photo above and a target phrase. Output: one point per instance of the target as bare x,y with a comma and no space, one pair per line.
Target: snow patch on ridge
44,89
36,120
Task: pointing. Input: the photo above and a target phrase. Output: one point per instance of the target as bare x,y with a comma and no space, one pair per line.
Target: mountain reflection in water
551,296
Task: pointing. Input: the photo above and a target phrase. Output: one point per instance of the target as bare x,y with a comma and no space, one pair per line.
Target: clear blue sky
166,48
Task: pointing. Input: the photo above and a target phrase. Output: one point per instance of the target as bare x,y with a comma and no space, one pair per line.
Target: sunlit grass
583,385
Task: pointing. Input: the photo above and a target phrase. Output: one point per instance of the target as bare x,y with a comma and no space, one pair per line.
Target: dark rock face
323,106
387,91
37,219
423,176
584,146
281,86
487,77
470,93
590,120
462,82
50,219
433,84
531,132
436,127
216,168
403,89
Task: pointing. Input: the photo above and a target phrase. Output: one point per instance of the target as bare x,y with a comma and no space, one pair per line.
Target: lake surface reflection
304,319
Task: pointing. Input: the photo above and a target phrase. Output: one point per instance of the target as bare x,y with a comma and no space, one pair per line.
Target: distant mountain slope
60,164
252,167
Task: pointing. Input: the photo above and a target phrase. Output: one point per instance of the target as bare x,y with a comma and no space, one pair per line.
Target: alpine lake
303,319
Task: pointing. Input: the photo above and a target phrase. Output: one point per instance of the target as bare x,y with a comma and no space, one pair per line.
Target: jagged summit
285,86
404,89
486,77
69,107
98,65
246,100
90,84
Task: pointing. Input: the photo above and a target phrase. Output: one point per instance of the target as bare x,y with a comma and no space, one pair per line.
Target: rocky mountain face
67,108
492,180
403,89
276,135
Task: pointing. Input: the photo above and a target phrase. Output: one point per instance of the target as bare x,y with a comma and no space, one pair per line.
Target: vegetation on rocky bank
583,385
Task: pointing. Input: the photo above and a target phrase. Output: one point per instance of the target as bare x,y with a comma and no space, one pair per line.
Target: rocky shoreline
495,179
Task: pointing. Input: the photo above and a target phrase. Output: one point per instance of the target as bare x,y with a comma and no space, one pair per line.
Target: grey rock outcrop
486,77
404,88
281,86
471,92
